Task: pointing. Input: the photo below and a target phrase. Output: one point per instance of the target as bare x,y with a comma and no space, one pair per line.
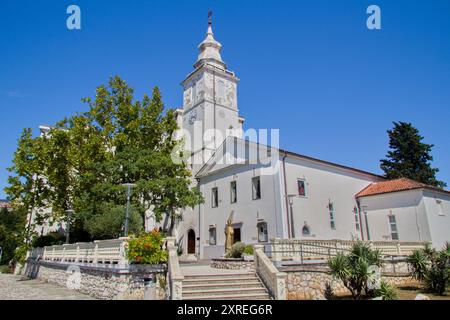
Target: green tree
27,188
12,229
409,157
82,163
432,267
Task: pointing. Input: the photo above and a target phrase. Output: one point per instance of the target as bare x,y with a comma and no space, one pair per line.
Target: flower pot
248,257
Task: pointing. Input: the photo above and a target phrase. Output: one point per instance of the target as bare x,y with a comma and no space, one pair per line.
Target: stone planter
232,263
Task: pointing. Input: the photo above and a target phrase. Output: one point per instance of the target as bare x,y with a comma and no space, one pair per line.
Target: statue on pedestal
229,233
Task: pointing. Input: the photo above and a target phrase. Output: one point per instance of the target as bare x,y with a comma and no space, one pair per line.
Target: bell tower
210,109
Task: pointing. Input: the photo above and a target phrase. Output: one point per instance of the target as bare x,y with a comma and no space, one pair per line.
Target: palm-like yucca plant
354,270
419,263
432,267
387,292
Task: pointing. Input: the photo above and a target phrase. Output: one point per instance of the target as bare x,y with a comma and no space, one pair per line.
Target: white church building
273,193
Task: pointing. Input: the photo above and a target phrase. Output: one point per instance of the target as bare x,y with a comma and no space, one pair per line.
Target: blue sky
310,68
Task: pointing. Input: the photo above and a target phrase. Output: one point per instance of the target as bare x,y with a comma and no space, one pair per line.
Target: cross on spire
210,14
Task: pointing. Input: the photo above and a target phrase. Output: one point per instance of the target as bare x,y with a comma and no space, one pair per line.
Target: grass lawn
410,292
4,269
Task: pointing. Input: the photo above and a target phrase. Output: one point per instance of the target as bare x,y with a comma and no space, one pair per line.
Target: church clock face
192,117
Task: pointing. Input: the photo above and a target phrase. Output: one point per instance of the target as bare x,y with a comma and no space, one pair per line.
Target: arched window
306,231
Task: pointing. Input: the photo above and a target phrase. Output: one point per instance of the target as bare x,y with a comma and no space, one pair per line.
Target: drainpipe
361,229
285,195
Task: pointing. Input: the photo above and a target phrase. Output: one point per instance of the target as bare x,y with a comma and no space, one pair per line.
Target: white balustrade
274,280
299,250
102,251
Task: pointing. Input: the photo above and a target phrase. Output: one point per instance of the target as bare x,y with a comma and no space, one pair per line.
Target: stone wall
233,264
101,282
312,282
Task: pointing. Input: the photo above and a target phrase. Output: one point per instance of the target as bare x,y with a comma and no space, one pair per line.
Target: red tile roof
396,185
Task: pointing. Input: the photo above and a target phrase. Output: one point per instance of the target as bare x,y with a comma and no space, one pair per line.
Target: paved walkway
17,288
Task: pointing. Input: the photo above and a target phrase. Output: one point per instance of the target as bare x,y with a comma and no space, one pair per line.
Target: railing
304,250
274,280
102,251
174,272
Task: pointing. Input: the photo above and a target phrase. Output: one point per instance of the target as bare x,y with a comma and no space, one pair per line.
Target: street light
129,186
69,218
291,202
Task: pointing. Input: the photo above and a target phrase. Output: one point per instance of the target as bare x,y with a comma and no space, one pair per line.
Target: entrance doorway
237,235
191,242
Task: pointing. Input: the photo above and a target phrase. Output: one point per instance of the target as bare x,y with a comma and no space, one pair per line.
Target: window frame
332,216
306,227
393,223
304,187
255,190
357,222
233,186
265,232
214,197
215,236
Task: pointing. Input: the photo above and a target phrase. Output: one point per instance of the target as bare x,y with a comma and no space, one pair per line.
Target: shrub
236,250
50,239
147,249
353,269
387,292
5,269
248,250
432,267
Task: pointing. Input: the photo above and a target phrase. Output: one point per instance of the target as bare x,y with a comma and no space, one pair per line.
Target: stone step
233,296
218,279
218,274
213,284
220,291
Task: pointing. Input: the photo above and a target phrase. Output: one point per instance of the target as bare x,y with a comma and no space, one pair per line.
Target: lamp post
129,186
291,202
69,219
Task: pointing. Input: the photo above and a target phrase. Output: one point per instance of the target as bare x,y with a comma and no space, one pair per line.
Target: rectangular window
256,188
221,89
356,213
212,236
331,211
215,197
393,227
233,191
301,187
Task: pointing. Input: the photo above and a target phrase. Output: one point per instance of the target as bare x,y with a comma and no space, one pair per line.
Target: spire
210,48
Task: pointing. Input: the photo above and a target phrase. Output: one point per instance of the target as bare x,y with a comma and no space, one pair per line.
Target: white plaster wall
324,183
409,210
246,211
438,218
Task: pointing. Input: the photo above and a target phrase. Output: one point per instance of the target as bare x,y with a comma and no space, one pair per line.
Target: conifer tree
409,157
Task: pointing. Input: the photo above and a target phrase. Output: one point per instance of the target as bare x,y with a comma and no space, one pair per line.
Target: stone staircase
224,286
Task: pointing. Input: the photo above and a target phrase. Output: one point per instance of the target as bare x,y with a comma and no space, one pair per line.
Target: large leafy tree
12,229
85,159
27,187
408,156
